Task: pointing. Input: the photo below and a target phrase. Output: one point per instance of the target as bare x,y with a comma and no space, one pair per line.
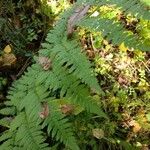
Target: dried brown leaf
8,59
67,109
45,111
45,62
136,126
78,14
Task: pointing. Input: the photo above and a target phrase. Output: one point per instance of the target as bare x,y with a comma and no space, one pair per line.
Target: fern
59,127
135,7
71,74
117,34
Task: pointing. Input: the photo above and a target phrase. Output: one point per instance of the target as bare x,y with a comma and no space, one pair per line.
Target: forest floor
123,74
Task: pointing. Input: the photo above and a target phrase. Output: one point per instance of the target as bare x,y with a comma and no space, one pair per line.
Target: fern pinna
33,112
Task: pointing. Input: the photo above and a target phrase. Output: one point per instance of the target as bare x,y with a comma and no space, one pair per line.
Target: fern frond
71,74
70,85
29,134
60,128
134,7
7,111
7,145
5,122
5,135
114,32
7,140
69,52
82,97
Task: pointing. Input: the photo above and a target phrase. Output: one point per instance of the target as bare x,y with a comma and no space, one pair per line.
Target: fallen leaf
78,14
8,59
145,147
136,126
45,62
98,133
123,48
90,54
67,109
16,21
45,111
7,49
122,80
105,42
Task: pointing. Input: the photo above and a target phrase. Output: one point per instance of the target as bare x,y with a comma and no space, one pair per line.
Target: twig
146,66
23,68
92,43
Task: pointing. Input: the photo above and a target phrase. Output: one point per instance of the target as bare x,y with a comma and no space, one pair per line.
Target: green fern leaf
117,34
59,128
7,111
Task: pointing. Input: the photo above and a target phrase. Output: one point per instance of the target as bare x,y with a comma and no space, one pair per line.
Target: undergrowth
78,95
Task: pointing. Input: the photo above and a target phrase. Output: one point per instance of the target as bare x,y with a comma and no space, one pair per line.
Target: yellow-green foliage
67,74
